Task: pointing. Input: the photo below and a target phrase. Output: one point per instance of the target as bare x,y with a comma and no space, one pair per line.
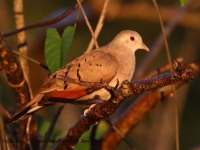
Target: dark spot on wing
65,82
79,65
67,70
65,87
98,65
78,75
85,60
66,73
90,64
93,56
54,75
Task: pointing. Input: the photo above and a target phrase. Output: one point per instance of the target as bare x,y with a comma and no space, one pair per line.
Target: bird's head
130,40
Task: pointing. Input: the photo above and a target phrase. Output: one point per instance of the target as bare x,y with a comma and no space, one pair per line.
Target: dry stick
171,68
3,139
23,49
31,60
102,110
44,23
99,25
28,131
21,38
155,49
88,24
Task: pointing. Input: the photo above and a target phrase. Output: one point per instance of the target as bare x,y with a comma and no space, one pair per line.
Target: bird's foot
87,110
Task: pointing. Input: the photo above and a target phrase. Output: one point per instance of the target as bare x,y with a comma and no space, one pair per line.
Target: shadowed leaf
53,50
67,38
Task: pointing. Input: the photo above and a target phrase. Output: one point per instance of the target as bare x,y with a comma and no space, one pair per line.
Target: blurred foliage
183,2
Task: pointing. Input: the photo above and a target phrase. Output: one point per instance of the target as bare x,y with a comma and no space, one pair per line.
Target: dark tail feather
30,108
27,111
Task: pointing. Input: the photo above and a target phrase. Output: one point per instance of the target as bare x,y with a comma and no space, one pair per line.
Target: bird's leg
111,89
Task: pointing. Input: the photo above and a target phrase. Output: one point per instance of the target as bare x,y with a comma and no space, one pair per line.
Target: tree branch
16,79
44,23
102,110
145,103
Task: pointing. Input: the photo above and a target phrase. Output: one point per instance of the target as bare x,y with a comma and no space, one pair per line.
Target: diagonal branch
99,25
44,23
133,114
102,110
88,24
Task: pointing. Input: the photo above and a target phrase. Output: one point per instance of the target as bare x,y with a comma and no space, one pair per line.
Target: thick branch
132,116
16,80
102,110
14,74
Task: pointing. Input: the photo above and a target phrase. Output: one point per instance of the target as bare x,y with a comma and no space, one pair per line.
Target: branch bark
102,110
16,80
145,103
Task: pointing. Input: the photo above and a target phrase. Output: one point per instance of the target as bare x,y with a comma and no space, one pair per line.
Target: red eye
132,38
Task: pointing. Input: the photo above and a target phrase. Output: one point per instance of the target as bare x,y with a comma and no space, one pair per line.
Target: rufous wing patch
67,94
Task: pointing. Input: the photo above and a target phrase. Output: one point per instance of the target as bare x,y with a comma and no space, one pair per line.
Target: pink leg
87,110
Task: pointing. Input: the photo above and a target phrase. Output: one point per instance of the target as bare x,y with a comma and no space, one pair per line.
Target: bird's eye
132,38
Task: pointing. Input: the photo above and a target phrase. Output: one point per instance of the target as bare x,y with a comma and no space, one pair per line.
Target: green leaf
67,38
53,50
183,2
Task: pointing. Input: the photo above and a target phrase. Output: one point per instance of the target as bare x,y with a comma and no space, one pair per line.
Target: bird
113,63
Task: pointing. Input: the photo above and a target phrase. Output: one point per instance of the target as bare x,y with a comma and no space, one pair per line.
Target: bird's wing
90,67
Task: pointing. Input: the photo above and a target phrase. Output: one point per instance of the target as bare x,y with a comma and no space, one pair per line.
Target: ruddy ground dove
113,63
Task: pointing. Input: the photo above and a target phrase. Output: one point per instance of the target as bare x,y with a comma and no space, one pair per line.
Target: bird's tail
30,108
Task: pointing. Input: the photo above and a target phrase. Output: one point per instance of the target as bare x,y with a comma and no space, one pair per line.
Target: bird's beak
144,47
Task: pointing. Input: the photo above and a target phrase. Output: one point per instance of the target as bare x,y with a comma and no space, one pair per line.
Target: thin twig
31,60
88,24
4,111
21,38
23,49
171,68
120,134
28,131
99,25
51,127
44,23
156,47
